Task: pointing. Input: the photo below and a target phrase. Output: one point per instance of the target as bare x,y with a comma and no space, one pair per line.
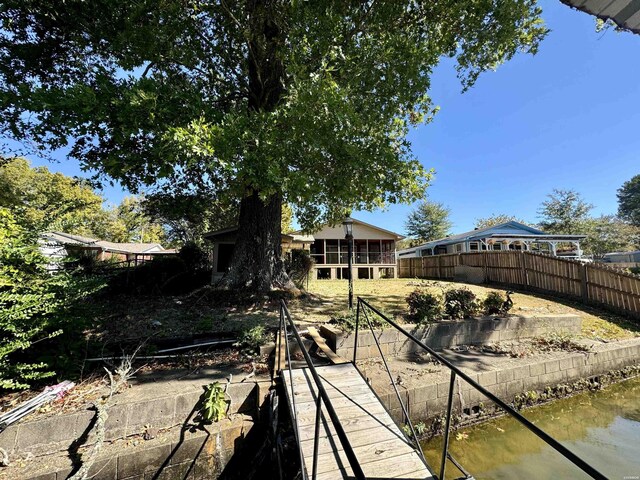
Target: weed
252,339
214,406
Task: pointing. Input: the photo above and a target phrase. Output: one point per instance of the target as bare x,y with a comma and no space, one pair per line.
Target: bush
346,320
298,265
194,257
460,303
34,307
496,304
424,306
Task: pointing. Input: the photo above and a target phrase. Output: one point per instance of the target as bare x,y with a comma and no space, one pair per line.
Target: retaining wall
430,400
450,333
49,442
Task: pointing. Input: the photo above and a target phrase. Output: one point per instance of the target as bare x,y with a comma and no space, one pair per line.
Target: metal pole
316,437
350,268
445,446
355,337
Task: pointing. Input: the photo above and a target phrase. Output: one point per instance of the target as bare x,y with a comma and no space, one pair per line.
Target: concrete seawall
429,400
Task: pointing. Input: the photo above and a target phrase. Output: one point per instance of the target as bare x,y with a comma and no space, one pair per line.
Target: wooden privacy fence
590,282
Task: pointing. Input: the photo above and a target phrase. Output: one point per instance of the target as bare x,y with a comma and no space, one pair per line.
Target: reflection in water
602,427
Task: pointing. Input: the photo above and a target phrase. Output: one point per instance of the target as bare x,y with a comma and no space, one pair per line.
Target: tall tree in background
269,101
629,201
608,233
428,221
40,200
498,219
564,212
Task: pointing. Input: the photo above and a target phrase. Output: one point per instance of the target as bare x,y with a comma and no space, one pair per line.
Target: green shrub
346,320
34,307
460,303
424,306
496,304
194,257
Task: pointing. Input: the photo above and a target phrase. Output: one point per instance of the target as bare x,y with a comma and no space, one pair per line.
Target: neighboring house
623,259
506,236
58,245
224,242
373,250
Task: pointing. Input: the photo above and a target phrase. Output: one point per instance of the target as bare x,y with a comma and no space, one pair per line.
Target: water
603,428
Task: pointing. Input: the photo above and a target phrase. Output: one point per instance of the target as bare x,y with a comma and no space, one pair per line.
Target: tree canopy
629,201
564,212
498,219
41,200
263,100
428,221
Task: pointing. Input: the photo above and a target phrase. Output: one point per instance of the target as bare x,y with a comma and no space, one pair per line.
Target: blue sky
568,118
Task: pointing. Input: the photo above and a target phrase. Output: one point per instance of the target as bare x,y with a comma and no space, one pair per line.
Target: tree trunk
257,257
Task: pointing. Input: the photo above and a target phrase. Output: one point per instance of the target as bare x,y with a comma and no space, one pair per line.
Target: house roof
510,229
79,240
69,239
355,221
624,13
234,230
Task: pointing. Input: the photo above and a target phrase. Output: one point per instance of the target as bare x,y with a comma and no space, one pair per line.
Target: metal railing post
355,337
445,445
293,397
316,437
405,412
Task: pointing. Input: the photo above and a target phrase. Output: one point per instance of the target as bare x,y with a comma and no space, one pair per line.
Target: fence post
583,282
439,266
525,272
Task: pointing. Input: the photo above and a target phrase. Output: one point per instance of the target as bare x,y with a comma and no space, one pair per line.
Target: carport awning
624,13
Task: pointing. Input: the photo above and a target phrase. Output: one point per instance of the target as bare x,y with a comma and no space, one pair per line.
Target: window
324,273
473,246
426,252
458,247
497,246
332,251
317,251
364,273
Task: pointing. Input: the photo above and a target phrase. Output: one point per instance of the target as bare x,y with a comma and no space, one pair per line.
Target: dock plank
380,446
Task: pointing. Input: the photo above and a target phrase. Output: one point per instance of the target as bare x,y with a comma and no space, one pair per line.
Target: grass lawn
330,297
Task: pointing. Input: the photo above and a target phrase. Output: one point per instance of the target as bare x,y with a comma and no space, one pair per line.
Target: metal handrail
323,397
395,388
549,440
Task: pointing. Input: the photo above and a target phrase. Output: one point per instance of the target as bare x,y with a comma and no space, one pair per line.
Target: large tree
564,212
269,101
428,221
629,201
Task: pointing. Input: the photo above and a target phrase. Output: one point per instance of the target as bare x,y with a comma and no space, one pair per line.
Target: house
58,245
373,250
505,236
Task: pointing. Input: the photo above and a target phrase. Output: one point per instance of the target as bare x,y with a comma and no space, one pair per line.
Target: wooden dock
381,448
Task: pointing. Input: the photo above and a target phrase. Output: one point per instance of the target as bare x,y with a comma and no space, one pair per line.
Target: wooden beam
322,344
